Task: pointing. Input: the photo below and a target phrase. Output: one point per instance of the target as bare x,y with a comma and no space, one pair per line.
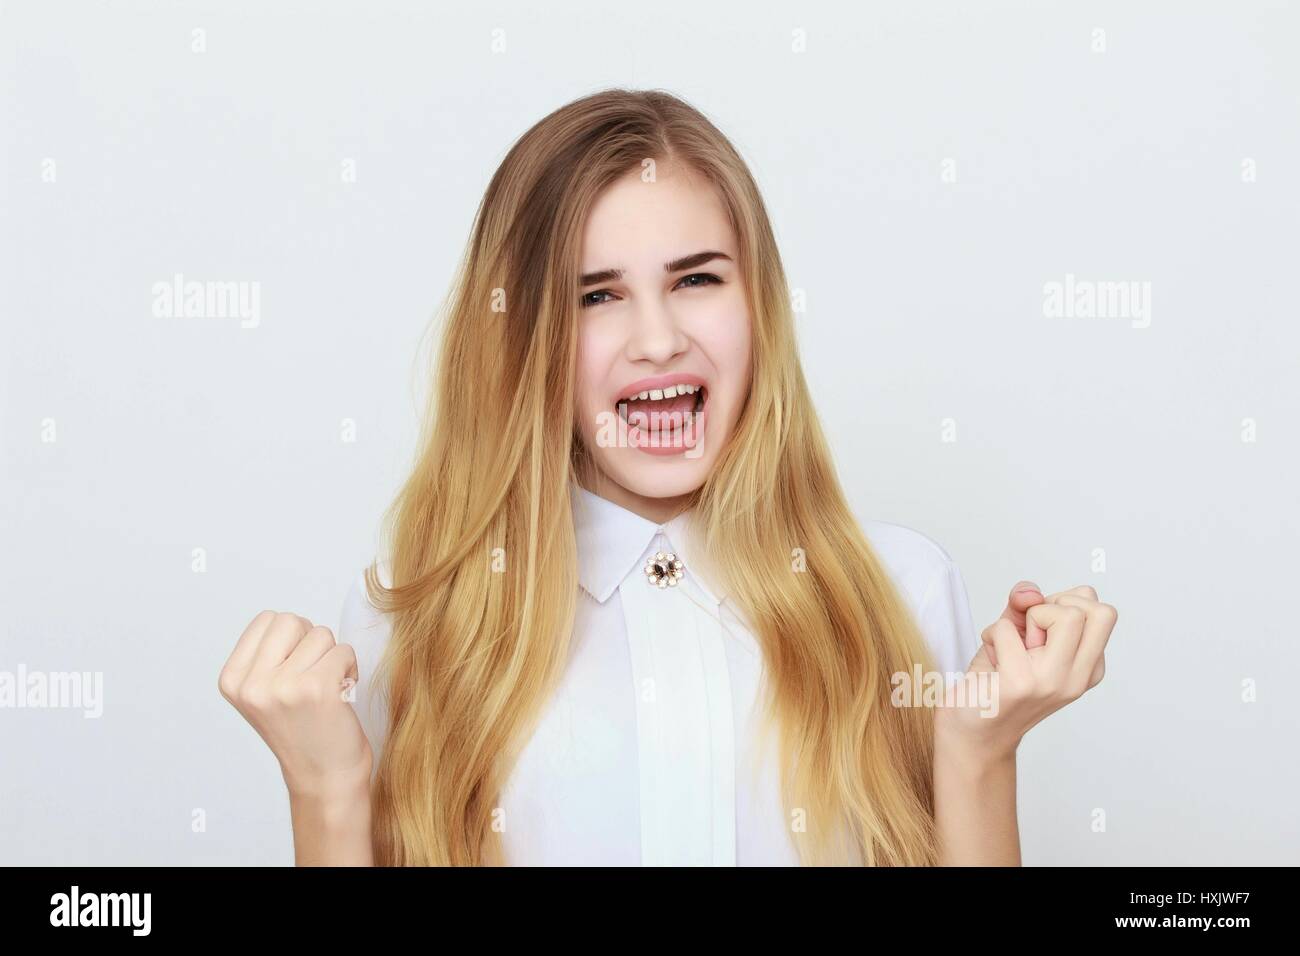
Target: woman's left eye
709,279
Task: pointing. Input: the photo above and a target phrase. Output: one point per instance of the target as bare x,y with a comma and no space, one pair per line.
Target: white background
925,303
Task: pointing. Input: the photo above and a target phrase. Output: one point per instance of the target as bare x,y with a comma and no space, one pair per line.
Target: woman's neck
658,510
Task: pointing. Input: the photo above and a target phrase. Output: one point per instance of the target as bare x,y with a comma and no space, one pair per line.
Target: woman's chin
655,476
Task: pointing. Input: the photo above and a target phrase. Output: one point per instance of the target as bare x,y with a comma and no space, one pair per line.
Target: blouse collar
612,543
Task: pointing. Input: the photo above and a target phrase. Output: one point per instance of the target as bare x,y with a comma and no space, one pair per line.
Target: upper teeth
672,391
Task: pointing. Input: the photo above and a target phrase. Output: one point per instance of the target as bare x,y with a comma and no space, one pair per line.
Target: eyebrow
677,265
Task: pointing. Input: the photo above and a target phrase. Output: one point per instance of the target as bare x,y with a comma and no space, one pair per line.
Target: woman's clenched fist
1041,654
291,681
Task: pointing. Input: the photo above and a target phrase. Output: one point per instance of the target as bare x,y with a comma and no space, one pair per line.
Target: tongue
665,413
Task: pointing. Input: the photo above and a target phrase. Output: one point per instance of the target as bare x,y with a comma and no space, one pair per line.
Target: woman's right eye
587,299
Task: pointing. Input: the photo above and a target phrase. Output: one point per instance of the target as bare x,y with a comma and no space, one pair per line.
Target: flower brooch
664,570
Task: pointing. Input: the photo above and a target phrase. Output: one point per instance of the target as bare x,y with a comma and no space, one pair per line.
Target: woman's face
664,315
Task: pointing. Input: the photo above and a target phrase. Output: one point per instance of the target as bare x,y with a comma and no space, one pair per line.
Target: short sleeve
367,630
945,619
930,582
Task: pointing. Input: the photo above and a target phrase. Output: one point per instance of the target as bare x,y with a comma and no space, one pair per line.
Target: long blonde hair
475,653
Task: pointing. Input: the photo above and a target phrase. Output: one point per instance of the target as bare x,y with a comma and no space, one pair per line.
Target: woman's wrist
332,805
334,787
331,827
955,746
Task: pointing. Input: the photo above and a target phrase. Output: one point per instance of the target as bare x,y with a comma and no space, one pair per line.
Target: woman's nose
656,335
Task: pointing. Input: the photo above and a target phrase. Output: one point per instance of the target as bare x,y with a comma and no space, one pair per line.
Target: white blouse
649,754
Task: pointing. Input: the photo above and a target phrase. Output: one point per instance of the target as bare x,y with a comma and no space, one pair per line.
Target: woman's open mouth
679,400
665,418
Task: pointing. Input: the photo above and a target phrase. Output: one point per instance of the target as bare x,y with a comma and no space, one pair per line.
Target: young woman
628,616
